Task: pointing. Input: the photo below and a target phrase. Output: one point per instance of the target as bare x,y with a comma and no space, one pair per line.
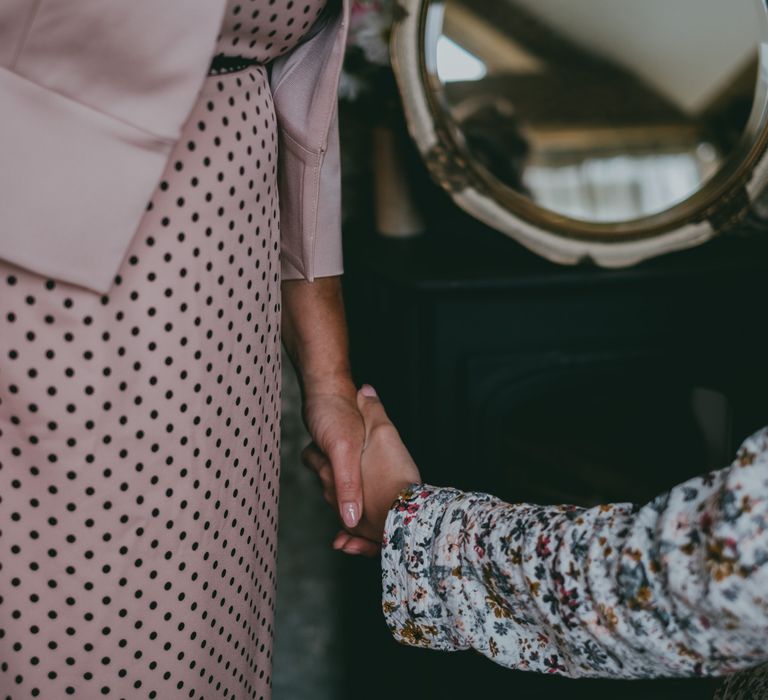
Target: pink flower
362,6
369,29
542,547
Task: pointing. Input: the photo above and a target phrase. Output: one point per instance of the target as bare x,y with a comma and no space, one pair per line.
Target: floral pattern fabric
678,587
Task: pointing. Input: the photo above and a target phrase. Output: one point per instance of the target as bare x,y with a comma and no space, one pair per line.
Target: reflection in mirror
599,110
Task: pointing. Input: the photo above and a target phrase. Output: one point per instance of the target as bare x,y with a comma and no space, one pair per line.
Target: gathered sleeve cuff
412,565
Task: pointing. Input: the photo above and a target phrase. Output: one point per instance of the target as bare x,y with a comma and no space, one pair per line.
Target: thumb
371,409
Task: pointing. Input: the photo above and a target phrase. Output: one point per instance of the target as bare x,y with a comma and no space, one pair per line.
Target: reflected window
612,188
455,63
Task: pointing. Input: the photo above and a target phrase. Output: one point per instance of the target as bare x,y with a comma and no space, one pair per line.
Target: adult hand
315,337
334,422
387,468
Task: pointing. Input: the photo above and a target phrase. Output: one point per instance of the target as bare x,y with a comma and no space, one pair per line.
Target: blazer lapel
93,95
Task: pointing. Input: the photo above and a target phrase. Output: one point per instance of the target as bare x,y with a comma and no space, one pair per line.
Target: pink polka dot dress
139,431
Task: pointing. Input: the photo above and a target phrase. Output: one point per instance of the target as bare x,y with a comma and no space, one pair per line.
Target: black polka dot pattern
139,430
264,29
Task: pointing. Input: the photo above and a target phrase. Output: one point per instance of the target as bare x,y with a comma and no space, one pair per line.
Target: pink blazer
93,96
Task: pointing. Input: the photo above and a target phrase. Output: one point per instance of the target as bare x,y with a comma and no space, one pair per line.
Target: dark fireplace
605,431
548,384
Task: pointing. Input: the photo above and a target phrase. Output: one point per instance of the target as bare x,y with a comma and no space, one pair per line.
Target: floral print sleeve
678,587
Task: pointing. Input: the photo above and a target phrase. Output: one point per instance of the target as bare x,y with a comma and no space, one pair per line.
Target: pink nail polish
351,514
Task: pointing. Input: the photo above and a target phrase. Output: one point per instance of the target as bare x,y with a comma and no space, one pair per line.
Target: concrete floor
307,649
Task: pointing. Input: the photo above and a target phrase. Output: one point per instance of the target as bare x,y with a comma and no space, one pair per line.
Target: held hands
386,469
336,426
315,338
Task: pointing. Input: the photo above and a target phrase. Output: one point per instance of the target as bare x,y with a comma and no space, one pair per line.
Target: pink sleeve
326,252
305,86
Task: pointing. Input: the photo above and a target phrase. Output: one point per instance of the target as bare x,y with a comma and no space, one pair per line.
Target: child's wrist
399,491
407,490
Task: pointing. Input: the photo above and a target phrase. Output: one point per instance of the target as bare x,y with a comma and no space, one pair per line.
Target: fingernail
369,391
350,513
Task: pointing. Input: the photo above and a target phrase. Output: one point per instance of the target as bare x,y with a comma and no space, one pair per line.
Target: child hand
387,468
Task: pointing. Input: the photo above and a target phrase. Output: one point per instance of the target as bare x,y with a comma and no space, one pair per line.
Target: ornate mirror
604,130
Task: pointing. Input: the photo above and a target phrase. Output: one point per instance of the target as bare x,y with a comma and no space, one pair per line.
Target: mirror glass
598,110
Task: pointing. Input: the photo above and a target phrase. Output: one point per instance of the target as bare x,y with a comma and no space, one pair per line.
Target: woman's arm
678,587
315,336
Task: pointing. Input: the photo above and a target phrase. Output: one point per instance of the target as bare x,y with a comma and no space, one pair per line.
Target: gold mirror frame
718,206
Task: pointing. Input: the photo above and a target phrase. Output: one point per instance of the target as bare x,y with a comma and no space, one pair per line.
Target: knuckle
343,445
347,483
